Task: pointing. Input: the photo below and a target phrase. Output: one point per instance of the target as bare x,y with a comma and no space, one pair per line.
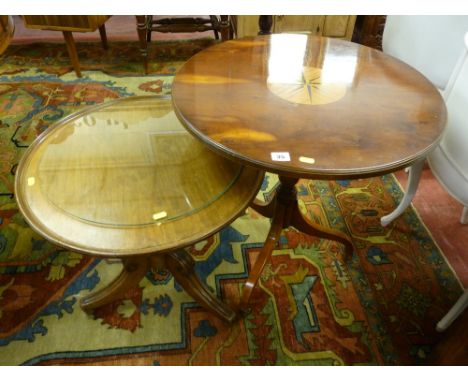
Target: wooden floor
440,212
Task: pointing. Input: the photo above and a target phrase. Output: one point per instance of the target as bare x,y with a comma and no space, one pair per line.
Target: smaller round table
125,180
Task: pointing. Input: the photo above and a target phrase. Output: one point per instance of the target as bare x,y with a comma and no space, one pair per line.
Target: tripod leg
308,227
181,265
133,271
265,253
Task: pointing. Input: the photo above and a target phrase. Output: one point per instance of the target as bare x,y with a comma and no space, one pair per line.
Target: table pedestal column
284,210
180,264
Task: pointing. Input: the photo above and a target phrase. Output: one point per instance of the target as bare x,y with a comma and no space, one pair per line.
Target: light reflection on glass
132,155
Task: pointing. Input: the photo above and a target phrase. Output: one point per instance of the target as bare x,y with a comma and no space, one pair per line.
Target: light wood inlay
308,89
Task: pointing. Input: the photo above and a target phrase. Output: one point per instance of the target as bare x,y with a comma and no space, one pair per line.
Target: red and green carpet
310,307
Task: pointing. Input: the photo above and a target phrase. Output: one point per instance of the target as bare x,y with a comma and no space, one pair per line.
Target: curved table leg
415,172
265,253
286,213
133,271
305,225
181,265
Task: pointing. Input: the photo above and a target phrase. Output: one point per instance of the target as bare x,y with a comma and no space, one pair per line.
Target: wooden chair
220,25
67,25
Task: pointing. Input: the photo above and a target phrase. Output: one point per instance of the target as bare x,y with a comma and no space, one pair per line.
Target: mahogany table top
308,106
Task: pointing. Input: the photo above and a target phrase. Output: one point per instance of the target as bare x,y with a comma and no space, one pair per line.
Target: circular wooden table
125,180
304,106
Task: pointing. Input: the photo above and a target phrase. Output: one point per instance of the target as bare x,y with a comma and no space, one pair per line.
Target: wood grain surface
125,178
333,108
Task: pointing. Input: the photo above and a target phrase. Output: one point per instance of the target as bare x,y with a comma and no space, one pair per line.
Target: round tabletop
125,178
308,106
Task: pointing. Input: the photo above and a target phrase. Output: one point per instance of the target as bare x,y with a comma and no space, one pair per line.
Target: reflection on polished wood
7,29
389,116
125,180
304,106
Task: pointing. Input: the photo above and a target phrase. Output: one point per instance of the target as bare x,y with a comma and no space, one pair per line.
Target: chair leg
149,24
102,32
464,216
215,26
413,182
72,51
453,313
142,34
224,27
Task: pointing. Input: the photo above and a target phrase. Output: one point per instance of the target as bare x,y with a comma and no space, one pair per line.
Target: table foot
133,271
285,212
181,265
270,243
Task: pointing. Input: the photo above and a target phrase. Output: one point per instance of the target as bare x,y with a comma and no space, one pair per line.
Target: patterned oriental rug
310,307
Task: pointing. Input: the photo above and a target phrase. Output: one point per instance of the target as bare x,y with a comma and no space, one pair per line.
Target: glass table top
125,163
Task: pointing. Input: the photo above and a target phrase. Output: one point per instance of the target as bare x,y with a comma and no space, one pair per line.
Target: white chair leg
413,182
464,216
453,313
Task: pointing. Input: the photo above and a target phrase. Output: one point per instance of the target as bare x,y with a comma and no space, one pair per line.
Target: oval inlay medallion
309,88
